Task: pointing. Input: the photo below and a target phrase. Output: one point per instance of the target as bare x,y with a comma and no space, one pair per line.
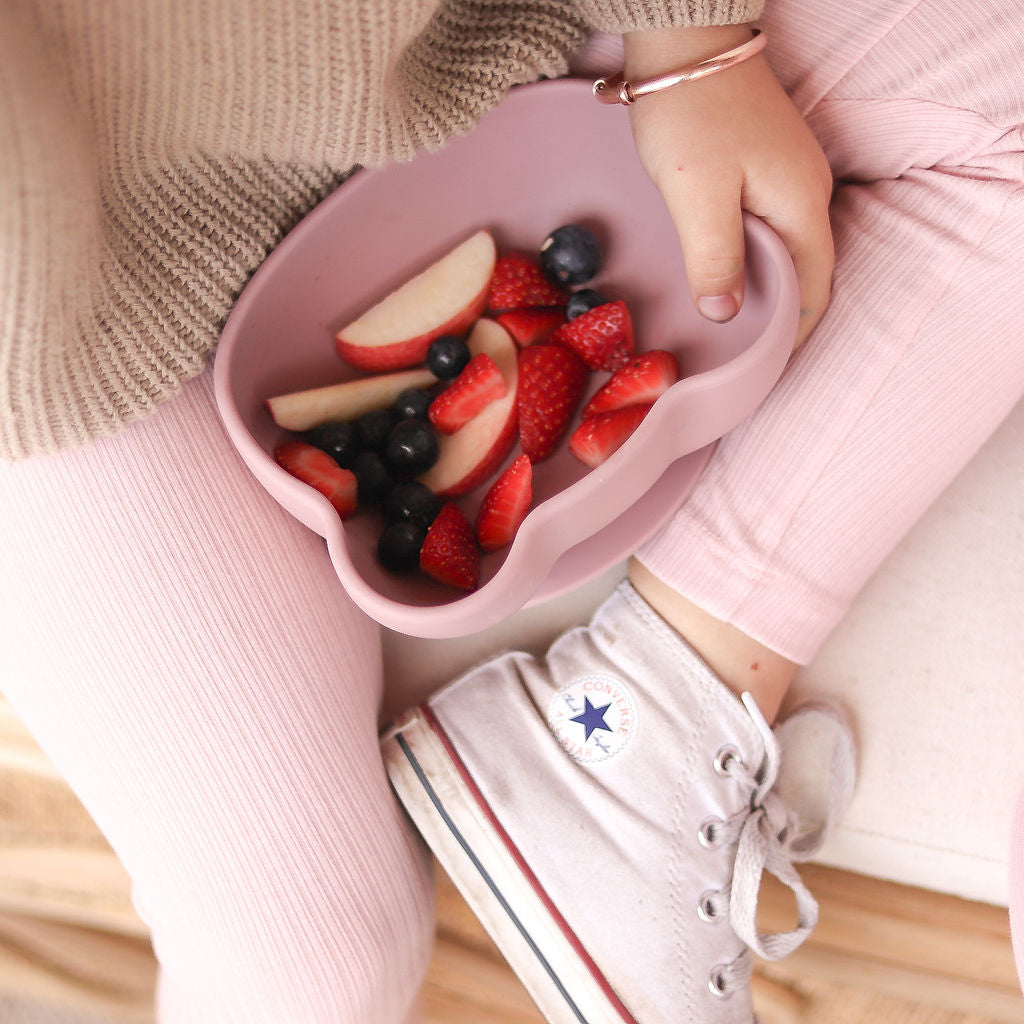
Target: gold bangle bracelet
615,89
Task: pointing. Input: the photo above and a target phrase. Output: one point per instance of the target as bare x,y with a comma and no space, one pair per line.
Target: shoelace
769,838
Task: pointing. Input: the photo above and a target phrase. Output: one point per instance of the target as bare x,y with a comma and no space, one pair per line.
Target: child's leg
184,652
916,362
920,354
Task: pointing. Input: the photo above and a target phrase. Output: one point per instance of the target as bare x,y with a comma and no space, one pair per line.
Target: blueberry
411,502
447,357
338,438
582,301
374,428
398,548
411,404
413,447
570,255
373,478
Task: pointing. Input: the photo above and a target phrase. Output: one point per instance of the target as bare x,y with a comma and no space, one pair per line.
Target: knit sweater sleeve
156,153
617,16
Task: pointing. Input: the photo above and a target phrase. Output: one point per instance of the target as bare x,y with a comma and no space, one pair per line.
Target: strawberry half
595,439
449,553
640,382
316,468
552,380
518,283
602,337
529,326
479,384
505,505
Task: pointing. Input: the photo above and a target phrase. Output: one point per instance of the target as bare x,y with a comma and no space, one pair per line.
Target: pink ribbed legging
183,651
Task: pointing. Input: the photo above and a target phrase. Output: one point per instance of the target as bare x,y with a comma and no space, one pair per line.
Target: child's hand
732,141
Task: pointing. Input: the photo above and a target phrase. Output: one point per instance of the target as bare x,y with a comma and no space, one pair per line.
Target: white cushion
930,662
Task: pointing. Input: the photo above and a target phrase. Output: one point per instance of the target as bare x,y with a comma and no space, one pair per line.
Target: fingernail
718,307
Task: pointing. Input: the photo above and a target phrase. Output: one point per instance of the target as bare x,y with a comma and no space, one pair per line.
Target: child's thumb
711,233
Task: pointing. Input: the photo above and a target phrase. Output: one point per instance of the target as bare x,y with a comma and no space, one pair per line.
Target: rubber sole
482,861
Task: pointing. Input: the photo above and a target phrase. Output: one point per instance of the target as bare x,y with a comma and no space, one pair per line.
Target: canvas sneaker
608,811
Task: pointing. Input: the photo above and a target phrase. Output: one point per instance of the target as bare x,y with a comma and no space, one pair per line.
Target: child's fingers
808,237
814,260
708,219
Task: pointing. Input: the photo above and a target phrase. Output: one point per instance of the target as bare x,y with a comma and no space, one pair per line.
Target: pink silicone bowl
549,155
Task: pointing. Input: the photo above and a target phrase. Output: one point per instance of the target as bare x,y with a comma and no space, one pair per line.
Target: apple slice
475,452
446,298
301,410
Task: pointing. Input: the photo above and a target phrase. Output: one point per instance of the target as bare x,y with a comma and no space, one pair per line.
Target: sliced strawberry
529,326
602,337
552,380
505,505
316,468
598,437
518,283
640,382
449,553
479,384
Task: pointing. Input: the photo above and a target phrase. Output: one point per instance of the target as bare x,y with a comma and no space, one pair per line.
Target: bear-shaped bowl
549,155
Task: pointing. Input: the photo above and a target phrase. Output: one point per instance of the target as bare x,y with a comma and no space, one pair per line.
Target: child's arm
729,142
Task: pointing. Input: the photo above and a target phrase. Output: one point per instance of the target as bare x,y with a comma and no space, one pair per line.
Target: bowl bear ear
548,156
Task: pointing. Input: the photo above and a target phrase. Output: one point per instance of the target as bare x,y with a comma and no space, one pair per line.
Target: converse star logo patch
593,718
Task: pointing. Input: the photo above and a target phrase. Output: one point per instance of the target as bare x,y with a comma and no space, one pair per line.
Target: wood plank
83,887
929,930
951,995
18,750
777,1002
925,947
111,977
54,862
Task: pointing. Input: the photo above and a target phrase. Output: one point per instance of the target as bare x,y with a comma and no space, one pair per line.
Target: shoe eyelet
707,833
723,757
706,907
718,982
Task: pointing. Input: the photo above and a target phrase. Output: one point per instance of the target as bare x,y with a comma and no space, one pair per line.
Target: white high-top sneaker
608,810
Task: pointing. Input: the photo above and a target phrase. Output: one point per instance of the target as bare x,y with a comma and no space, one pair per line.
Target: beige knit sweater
153,152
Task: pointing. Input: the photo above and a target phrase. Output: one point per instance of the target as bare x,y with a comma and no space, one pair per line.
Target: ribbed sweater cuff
463,63
617,16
